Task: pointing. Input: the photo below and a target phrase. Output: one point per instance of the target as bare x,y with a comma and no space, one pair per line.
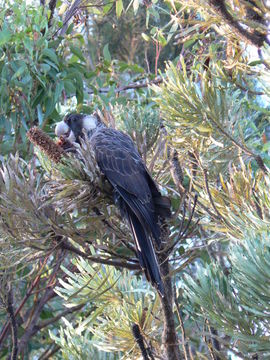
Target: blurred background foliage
189,82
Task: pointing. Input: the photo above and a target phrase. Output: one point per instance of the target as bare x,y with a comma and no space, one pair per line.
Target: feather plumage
138,195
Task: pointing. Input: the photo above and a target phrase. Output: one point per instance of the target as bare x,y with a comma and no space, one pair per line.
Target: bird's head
75,125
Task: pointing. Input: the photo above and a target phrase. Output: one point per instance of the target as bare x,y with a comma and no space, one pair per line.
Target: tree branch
26,297
169,336
49,293
252,38
140,341
10,311
107,261
184,341
134,85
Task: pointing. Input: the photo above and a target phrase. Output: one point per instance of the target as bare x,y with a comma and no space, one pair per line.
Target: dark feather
135,191
146,253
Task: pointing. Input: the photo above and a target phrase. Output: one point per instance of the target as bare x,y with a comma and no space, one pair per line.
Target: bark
169,337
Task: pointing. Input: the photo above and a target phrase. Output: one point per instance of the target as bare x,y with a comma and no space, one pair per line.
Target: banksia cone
53,150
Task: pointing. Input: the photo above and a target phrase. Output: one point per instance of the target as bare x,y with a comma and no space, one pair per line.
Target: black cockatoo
135,192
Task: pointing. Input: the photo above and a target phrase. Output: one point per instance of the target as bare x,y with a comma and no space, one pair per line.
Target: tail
146,252
162,203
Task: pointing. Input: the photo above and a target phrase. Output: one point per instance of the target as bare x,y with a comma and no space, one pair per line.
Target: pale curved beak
62,129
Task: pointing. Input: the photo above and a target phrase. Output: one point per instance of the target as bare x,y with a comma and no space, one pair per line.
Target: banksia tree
70,279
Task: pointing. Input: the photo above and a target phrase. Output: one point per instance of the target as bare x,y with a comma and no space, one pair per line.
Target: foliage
236,302
202,127
36,73
116,301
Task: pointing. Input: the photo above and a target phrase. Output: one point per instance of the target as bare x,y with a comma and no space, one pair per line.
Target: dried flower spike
46,144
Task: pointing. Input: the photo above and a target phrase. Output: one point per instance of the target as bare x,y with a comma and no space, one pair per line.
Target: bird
134,191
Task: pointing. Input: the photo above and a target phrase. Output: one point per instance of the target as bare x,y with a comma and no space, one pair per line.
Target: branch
10,311
134,85
140,341
49,293
52,5
252,38
107,261
69,14
49,353
26,297
184,341
48,322
169,336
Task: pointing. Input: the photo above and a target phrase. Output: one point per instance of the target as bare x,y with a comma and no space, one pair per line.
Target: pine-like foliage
70,283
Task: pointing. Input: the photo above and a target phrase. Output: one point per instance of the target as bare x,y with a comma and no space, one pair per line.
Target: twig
10,311
169,336
209,344
253,38
181,234
210,197
184,341
49,293
52,5
48,322
257,158
49,353
139,340
26,297
158,51
134,85
108,261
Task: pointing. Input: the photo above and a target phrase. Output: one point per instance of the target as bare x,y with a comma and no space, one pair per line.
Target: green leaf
161,39
107,8
70,29
172,31
106,53
50,53
78,52
145,37
69,87
45,68
189,43
5,36
58,91
49,106
19,72
119,8
38,98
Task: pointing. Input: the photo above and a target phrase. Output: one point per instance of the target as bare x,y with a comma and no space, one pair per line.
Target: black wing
121,163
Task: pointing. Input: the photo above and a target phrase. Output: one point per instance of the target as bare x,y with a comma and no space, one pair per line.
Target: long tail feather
146,252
